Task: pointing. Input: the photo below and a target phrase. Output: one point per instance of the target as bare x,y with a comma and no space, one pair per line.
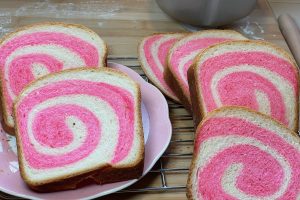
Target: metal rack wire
160,169
180,149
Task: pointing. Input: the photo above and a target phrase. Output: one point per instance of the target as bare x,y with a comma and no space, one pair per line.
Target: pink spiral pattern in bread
153,51
242,154
78,121
254,74
36,50
182,54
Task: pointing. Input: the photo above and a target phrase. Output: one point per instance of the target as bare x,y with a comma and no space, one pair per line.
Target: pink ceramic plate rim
160,131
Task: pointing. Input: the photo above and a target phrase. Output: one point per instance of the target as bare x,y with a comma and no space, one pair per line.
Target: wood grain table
290,7
123,24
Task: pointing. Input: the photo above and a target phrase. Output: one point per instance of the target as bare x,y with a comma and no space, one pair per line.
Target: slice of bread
36,50
153,51
242,154
254,74
79,124
182,54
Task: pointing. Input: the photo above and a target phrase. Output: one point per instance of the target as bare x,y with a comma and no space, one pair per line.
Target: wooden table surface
122,24
290,7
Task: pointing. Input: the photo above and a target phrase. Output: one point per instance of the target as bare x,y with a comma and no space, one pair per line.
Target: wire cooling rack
170,172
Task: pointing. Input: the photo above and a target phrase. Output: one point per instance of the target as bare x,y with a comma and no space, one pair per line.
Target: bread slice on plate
153,51
254,74
79,125
39,49
182,54
242,154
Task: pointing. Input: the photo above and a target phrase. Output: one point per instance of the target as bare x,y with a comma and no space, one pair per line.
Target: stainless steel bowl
207,12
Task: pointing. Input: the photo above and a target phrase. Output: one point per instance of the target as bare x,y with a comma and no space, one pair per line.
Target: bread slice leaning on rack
254,74
153,52
182,54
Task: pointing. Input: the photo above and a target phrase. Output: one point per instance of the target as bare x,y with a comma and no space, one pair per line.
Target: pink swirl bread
79,124
241,154
254,74
36,50
182,54
153,51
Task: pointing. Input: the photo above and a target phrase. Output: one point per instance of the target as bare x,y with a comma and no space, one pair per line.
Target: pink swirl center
50,131
261,174
239,88
20,69
53,120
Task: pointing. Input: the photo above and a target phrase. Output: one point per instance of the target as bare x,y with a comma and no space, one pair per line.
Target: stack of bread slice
75,120
165,59
244,96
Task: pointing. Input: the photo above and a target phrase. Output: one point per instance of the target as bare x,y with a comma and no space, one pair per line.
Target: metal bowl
207,12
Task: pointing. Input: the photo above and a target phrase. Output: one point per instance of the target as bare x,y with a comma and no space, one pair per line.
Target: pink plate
157,130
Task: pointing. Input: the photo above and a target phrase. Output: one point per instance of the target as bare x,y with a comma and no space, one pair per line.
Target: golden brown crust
189,185
104,60
140,49
8,129
103,175
198,99
97,174
9,35
194,91
5,123
176,87
140,126
189,192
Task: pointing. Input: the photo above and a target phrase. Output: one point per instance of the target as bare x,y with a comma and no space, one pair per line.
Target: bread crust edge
140,51
132,171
